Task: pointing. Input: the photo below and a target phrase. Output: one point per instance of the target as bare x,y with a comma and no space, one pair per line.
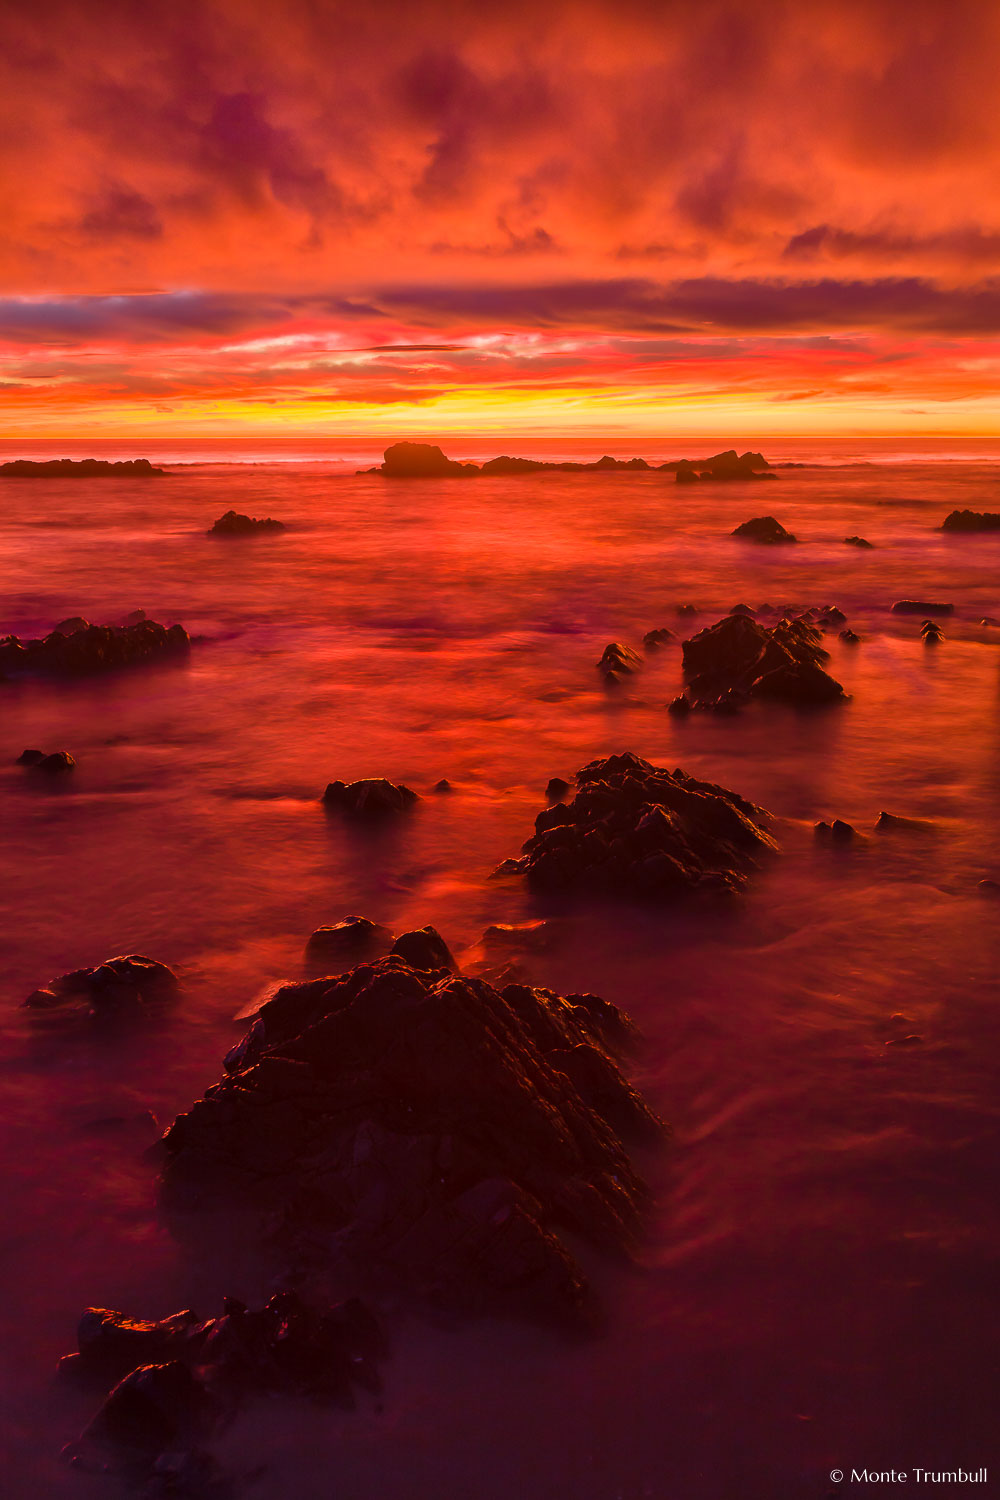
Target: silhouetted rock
921,607
740,658
680,706
857,541
687,610
234,524
721,466
764,530
443,786
120,988
371,798
557,789
637,829
505,465
78,468
56,763
424,1133
341,945
830,615
931,632
618,661
972,520
75,623
422,461
424,948
744,609
654,639
888,822
838,831
97,648
850,637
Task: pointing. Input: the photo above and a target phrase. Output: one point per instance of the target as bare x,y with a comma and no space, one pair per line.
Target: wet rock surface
412,1130
640,829
765,530
96,648
55,763
120,988
235,524
343,943
654,639
370,799
738,659
972,520
617,661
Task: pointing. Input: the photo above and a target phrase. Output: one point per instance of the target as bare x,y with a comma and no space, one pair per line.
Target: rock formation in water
618,661
972,520
921,607
234,524
764,530
410,1130
176,1382
654,639
931,633
858,541
737,659
369,799
428,461
637,829
729,465
119,989
54,764
505,465
78,468
421,461
341,945
96,648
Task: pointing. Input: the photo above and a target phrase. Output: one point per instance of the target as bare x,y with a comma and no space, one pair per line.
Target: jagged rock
921,607
638,829
721,466
341,945
443,786
234,524
765,530
738,657
972,520
858,541
424,948
686,610
97,648
850,637
56,763
618,661
423,1132
654,639
135,617
830,615
121,987
78,468
556,789
680,706
931,632
371,798
72,625
744,609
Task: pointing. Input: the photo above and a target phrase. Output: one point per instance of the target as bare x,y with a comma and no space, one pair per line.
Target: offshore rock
765,530
424,1133
130,985
921,607
97,648
654,639
78,468
372,798
421,461
638,829
54,764
721,466
618,661
858,541
972,520
234,524
739,658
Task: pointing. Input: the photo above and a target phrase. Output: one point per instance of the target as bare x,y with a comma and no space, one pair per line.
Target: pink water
818,1286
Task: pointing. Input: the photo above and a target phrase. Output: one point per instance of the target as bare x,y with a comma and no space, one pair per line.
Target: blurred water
817,1290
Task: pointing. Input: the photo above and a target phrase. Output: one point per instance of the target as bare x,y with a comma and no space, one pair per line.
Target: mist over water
816,1286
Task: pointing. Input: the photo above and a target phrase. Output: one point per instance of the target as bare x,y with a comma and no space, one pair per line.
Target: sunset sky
632,218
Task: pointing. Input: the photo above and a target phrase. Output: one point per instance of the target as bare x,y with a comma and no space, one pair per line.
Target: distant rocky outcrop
234,524
428,461
738,659
721,466
858,541
921,607
421,461
78,468
95,648
505,465
764,530
637,829
417,1131
972,520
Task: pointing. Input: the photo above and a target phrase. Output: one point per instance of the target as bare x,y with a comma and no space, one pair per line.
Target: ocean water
817,1287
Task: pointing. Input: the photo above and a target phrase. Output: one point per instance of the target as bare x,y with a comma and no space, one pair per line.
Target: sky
416,219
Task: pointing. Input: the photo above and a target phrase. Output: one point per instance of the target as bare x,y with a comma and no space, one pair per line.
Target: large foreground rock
634,828
423,1133
97,648
738,659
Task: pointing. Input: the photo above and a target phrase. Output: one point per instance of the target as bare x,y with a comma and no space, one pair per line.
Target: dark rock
97,648
680,706
912,1040
989,620
764,530
686,610
424,1132
557,789
654,639
371,798
425,948
72,625
443,786
972,520
234,524
638,829
618,661
931,632
921,607
857,541
851,637
30,757
744,609
739,656
831,615
686,473
505,465
78,468
990,887
135,617
729,465
838,831
421,461
56,763
887,822
512,937
341,945
121,987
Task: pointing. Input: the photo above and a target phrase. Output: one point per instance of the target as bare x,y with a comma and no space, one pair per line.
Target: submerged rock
341,945
765,530
96,648
234,524
637,829
858,541
737,658
921,607
424,1133
121,987
55,764
371,798
972,520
